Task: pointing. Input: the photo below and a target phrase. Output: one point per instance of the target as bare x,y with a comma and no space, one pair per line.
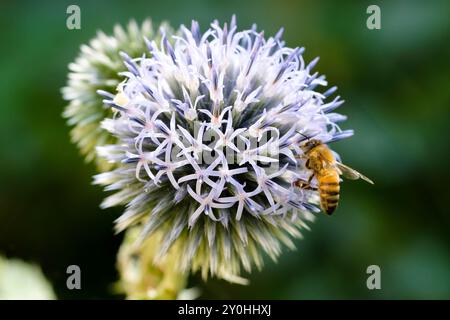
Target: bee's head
310,143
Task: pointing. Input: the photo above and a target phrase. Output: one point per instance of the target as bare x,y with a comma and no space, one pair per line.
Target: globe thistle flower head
210,131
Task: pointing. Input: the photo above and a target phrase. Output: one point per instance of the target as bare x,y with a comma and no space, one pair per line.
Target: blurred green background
396,85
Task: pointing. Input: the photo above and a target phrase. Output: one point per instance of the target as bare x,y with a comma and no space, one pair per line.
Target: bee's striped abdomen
329,190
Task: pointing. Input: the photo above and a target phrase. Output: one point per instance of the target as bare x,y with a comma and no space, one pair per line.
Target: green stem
140,277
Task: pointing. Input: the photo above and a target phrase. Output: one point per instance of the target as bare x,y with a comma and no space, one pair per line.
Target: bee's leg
304,157
306,185
309,187
307,165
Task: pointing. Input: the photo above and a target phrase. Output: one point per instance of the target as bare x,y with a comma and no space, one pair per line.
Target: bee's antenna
304,135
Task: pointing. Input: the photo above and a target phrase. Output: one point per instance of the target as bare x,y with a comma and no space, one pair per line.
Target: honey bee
324,166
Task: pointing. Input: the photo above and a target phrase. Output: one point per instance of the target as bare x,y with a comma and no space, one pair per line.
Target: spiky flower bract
97,68
209,146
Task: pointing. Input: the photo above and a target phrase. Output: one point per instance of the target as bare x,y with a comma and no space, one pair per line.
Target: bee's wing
350,173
